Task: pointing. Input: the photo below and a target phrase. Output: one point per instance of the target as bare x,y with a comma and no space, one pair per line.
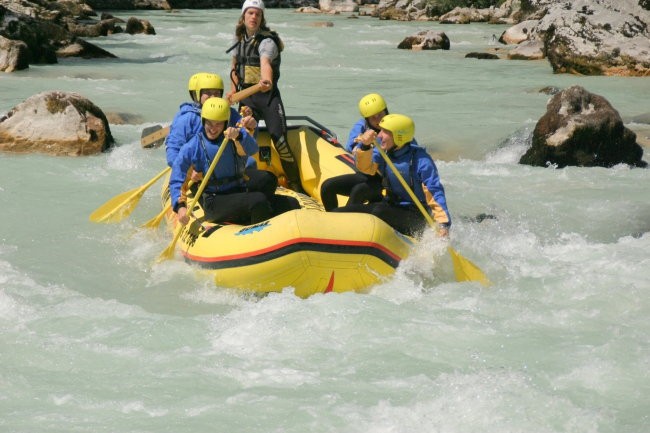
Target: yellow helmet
401,126
191,85
216,109
371,104
206,80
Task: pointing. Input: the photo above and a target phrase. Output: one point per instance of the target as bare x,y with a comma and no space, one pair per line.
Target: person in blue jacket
187,121
226,197
359,187
415,166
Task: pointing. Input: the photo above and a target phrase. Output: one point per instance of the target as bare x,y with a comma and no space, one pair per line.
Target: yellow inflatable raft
307,249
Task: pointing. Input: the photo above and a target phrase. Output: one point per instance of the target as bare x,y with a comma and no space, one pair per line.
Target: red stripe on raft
292,242
330,285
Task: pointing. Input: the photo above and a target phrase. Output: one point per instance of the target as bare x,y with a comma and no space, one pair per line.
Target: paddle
121,206
464,269
154,136
155,221
245,93
168,253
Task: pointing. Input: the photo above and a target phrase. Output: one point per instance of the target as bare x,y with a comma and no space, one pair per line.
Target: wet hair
240,29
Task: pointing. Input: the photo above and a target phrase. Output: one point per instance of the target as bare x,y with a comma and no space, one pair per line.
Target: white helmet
259,4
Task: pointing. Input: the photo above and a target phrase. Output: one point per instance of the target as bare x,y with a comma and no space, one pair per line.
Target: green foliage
439,7
526,6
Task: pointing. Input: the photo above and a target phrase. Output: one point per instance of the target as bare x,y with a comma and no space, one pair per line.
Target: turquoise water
95,337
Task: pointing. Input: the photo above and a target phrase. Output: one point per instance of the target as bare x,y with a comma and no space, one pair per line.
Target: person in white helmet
256,59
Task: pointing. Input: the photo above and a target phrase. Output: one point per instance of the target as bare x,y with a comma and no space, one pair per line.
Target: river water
95,337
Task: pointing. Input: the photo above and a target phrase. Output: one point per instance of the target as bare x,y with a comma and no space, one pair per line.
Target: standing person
225,198
360,187
415,166
256,59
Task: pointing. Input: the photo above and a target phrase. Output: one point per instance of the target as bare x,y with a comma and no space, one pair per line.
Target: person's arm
434,193
177,179
246,141
266,74
363,160
268,51
355,132
179,133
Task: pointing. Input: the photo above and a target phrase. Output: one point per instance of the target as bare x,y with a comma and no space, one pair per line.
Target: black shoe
297,187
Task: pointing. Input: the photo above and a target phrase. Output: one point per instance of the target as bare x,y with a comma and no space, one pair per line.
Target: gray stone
56,123
580,128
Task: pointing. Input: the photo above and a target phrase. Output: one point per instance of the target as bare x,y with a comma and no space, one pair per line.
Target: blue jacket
186,124
418,170
228,174
357,129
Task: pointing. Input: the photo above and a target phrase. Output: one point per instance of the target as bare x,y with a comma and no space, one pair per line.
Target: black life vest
247,59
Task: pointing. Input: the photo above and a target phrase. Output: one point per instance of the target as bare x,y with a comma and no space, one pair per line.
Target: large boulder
580,128
56,123
14,55
45,32
586,37
598,37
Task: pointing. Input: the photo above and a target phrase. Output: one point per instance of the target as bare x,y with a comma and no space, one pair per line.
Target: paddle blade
155,221
171,248
117,208
168,253
466,270
153,136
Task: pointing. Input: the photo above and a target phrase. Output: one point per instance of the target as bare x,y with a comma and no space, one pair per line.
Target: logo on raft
252,229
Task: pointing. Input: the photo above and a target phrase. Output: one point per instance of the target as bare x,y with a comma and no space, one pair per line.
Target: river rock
104,27
338,6
425,40
586,37
44,29
309,10
527,50
481,56
601,37
463,15
402,10
580,128
135,25
518,33
14,55
55,123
